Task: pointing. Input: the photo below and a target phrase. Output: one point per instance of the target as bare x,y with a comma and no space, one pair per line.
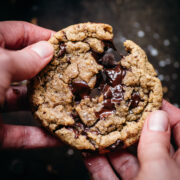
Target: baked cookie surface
89,95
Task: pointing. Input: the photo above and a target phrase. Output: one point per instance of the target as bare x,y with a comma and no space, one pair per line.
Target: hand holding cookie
22,56
91,97
157,159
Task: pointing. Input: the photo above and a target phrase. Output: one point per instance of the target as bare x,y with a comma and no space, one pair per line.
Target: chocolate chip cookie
89,95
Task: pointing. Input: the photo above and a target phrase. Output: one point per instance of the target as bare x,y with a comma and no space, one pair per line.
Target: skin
19,60
156,158
22,56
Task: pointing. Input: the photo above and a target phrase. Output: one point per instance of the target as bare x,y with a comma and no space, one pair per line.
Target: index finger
173,112
18,34
99,168
25,137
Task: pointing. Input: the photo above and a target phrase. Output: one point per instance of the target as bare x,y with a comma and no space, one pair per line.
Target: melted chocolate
108,82
112,95
62,50
94,92
115,75
100,80
117,92
135,98
112,90
104,112
80,89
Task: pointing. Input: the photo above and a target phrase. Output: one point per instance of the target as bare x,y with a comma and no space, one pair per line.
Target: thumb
26,63
154,143
22,64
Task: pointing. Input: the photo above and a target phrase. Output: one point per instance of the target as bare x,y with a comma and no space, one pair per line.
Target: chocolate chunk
104,113
110,57
117,92
80,89
78,128
100,80
62,50
117,56
112,95
107,92
108,81
96,55
108,105
115,75
116,144
135,98
109,44
108,108
94,93
108,60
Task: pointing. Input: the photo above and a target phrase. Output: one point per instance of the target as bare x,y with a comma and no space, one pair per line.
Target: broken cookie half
89,95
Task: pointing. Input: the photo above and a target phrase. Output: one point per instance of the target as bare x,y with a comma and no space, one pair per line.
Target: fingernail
158,121
43,49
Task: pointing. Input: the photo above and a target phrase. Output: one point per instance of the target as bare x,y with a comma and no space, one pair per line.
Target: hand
21,59
157,159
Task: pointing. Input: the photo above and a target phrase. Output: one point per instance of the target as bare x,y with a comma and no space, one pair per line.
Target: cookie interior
91,96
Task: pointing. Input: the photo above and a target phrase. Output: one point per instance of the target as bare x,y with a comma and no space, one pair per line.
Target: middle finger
100,168
125,164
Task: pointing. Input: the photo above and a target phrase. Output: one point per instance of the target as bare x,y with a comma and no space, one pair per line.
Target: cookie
89,95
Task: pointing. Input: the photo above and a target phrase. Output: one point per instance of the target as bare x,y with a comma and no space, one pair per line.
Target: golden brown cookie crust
77,122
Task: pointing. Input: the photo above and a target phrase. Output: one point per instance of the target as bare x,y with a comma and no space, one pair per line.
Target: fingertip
52,33
25,137
155,137
173,112
158,121
31,60
43,49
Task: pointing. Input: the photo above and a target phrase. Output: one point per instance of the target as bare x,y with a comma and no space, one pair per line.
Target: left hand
23,53
156,157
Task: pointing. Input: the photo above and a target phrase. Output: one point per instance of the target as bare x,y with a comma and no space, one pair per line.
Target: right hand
156,157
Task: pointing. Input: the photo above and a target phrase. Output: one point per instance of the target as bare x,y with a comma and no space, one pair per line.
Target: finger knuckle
4,58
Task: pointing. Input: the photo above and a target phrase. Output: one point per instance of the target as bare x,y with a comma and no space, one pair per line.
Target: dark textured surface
154,25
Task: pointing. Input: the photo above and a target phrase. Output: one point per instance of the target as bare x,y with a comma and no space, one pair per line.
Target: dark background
153,24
